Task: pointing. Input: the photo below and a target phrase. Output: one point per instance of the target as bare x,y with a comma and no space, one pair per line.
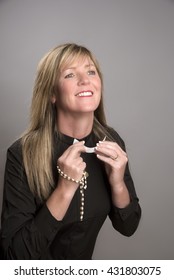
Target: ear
53,99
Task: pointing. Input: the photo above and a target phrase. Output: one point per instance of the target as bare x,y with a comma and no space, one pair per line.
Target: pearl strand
83,186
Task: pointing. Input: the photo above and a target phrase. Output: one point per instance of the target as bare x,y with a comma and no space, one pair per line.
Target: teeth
86,93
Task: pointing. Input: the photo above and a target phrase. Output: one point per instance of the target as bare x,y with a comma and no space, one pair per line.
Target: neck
76,126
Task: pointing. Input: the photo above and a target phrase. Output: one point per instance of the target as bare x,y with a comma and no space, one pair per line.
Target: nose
83,79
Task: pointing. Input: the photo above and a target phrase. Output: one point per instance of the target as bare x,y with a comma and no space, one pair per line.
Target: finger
110,151
76,149
111,145
74,167
105,159
107,152
115,162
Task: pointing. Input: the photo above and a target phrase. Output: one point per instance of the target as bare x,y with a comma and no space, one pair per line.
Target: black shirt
29,231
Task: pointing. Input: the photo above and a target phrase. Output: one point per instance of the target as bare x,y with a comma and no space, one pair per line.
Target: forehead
76,61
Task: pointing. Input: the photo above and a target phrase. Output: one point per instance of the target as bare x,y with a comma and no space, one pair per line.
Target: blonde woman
69,170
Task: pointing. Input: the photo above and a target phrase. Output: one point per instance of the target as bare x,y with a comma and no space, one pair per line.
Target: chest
96,200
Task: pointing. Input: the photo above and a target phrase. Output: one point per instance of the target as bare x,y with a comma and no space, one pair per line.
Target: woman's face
79,88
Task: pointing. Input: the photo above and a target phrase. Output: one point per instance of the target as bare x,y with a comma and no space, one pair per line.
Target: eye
91,72
70,75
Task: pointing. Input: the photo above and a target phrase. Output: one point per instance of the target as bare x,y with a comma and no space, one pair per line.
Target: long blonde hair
37,141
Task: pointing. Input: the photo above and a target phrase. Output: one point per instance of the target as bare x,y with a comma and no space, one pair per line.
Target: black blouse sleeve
28,227
126,220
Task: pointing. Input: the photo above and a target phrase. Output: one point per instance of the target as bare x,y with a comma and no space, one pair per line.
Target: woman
69,170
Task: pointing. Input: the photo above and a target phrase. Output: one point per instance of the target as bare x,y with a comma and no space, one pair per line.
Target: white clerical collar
88,149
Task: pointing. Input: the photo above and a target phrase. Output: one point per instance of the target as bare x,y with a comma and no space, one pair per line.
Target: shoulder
116,136
16,146
15,150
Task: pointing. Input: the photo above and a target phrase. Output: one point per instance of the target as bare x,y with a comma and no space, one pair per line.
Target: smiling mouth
85,93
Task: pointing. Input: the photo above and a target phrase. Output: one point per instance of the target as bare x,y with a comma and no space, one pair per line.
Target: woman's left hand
115,160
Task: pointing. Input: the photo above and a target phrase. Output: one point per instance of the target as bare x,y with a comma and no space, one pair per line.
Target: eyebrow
89,65
86,66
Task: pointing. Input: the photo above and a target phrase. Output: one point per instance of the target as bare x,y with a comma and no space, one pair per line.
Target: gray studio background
134,43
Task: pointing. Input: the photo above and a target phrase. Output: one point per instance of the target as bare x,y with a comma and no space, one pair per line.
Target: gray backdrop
134,42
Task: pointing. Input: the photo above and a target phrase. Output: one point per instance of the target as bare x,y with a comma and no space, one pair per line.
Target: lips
84,94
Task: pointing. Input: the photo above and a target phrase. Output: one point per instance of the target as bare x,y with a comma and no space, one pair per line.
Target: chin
88,110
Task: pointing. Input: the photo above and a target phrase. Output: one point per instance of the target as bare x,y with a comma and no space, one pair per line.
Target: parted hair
37,140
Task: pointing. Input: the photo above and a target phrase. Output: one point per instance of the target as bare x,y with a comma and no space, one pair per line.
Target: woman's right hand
71,163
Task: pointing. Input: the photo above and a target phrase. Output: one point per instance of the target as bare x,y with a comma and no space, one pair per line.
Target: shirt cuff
124,213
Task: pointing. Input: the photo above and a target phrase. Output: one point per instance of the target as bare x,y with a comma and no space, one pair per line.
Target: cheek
66,90
98,84
61,93
99,92
99,88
